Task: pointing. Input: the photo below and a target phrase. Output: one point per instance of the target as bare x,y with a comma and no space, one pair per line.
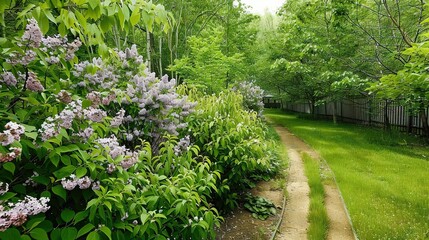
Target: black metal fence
367,111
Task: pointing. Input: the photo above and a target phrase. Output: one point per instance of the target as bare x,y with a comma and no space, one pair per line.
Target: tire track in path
294,224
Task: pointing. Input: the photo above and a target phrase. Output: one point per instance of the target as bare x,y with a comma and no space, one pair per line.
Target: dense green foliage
236,140
382,176
96,146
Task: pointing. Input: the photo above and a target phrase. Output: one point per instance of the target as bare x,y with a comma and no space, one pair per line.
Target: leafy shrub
252,96
98,140
234,139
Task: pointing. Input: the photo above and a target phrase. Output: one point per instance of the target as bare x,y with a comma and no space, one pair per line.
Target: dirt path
294,224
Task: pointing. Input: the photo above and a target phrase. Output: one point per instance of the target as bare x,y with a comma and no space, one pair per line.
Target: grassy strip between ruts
317,217
383,176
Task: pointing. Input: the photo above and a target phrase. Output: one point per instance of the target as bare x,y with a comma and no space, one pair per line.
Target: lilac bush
252,96
96,148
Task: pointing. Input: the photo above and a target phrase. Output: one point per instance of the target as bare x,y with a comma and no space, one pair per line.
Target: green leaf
135,16
10,167
32,135
80,216
39,234
106,232
93,236
25,237
60,191
68,233
79,2
94,3
56,234
68,148
67,215
10,233
80,172
64,172
85,229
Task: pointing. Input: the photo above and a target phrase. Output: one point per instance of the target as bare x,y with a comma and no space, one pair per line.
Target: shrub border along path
294,224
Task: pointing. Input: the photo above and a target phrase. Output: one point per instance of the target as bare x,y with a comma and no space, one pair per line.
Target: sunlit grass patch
317,217
383,176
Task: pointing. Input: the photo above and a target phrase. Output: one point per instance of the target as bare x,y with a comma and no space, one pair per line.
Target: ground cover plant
383,179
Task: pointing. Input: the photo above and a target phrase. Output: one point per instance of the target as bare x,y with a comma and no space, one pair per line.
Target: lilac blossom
33,84
118,119
32,35
12,132
17,213
64,96
182,145
9,79
14,153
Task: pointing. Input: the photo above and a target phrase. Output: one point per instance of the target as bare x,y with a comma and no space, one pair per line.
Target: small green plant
260,207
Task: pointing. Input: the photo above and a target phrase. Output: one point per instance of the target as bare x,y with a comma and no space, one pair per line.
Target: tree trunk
334,114
424,120
160,56
386,116
148,51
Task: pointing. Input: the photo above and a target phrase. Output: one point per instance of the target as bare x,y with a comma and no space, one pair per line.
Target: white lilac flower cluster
115,149
84,183
182,145
252,96
16,214
12,132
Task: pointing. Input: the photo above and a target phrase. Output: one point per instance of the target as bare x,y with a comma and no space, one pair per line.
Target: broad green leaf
106,232
135,16
93,236
68,233
67,215
85,229
10,167
60,191
80,172
94,3
39,234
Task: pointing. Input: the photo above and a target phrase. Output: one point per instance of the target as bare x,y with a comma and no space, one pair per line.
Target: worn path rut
294,223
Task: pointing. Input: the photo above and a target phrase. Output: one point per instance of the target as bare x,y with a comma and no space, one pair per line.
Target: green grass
384,178
317,217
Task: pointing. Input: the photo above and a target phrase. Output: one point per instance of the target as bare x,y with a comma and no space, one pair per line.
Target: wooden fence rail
367,111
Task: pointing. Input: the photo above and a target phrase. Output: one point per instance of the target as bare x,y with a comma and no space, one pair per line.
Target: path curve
294,224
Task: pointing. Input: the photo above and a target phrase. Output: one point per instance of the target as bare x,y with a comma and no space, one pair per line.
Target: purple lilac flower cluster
252,96
16,214
32,42
160,108
182,145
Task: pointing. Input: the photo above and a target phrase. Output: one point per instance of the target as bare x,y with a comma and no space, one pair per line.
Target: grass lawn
384,178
